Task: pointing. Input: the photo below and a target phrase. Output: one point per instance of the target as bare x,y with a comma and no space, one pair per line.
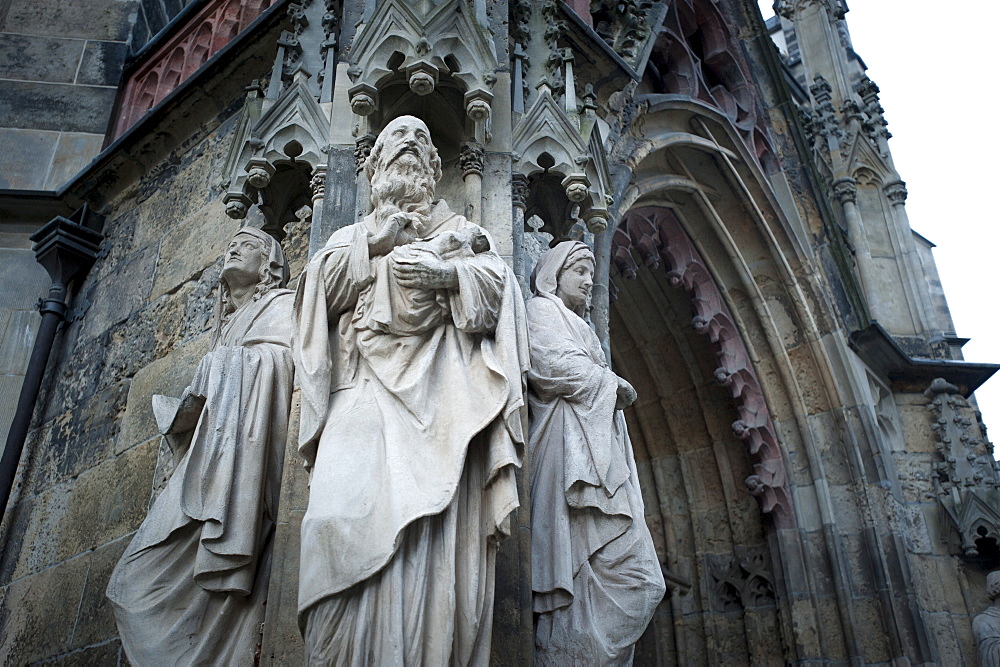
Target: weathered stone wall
93,461
60,65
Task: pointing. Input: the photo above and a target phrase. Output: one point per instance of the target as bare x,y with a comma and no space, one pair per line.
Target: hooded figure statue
595,574
190,588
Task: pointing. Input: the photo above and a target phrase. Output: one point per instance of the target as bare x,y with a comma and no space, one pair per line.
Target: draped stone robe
986,630
595,574
191,586
412,441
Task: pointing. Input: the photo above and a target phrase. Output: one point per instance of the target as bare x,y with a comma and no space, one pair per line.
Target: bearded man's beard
405,186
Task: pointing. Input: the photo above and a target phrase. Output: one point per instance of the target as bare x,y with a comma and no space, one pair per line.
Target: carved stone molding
965,479
655,235
191,47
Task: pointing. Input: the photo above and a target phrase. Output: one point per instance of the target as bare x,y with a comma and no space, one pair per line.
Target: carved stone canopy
279,148
424,42
566,167
966,478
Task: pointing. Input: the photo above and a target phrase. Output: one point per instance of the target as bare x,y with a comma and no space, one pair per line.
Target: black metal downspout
67,250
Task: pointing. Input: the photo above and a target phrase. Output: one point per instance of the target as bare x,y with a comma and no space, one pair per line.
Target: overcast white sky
937,73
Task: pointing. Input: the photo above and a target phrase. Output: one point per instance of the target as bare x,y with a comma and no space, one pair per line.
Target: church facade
816,481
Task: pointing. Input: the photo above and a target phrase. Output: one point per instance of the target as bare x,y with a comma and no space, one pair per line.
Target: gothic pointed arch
717,319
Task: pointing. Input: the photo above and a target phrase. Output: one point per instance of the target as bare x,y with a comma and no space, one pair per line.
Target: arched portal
717,319
673,337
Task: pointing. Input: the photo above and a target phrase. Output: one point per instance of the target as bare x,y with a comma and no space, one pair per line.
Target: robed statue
411,352
595,574
191,586
986,626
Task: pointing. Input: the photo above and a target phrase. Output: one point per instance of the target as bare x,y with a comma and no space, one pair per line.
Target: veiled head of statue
404,166
566,271
993,585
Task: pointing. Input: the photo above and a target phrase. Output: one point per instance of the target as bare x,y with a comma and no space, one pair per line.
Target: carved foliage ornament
656,236
741,581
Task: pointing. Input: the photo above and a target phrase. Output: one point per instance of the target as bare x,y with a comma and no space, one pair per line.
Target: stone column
519,199
895,192
471,160
846,192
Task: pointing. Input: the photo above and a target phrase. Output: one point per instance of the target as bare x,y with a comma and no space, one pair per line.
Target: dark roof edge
882,353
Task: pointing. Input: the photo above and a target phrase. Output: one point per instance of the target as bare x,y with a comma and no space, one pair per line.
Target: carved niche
562,155
656,236
278,158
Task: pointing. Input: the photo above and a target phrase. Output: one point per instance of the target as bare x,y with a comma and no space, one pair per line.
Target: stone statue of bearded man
411,353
